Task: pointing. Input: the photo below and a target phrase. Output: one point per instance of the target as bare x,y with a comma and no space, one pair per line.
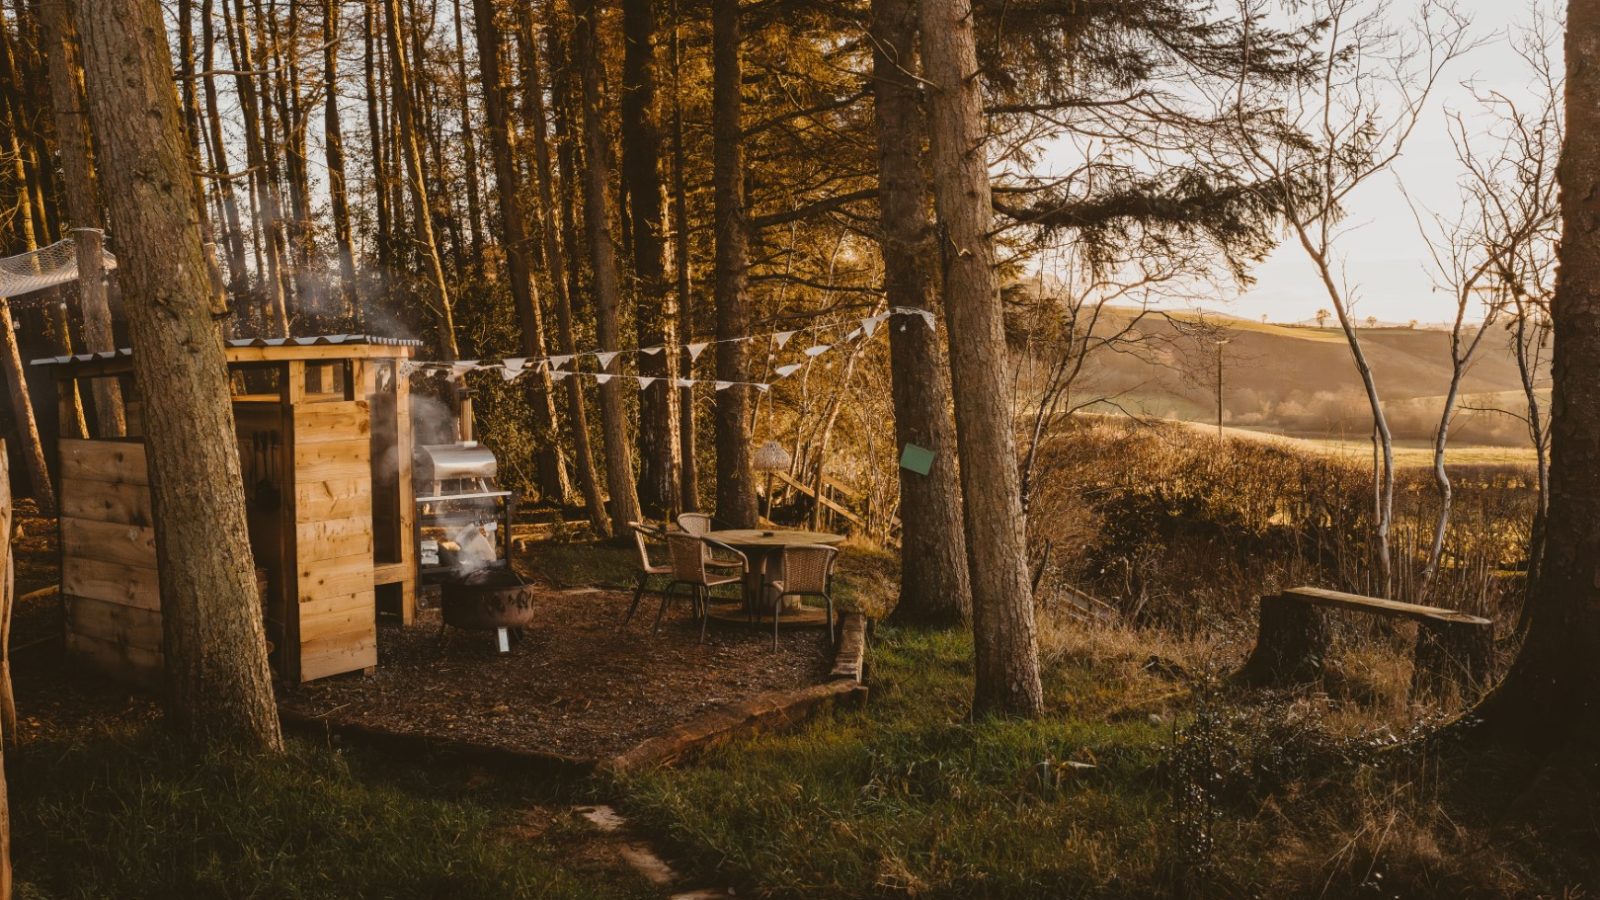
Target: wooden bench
1452,647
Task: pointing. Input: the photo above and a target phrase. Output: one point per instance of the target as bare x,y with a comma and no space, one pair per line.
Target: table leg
755,582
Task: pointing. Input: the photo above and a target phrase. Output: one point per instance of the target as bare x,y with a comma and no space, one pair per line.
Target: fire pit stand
491,598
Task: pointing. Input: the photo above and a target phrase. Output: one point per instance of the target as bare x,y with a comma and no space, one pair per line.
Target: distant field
1407,454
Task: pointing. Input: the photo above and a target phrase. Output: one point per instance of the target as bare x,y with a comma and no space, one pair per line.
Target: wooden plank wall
394,404
333,538
108,559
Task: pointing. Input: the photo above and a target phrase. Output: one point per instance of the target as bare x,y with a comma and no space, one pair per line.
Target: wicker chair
697,524
691,557
700,525
807,572
643,534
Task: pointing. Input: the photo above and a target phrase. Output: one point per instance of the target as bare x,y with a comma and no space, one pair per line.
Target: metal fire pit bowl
493,599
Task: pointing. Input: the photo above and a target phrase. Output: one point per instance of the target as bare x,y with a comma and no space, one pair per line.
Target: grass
131,814
1127,787
908,796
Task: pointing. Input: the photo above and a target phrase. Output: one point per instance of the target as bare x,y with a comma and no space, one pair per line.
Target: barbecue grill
463,518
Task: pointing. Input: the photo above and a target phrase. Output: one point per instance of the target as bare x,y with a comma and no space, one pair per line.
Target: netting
45,267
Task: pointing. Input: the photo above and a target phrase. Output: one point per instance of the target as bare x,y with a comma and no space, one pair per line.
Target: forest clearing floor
576,684
1149,775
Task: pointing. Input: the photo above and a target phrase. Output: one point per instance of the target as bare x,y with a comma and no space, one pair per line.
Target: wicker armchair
643,534
700,525
697,524
691,558
807,572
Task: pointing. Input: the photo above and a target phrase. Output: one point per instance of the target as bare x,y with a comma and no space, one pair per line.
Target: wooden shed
324,431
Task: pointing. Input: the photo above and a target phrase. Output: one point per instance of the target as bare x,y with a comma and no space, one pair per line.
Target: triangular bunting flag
646,380
786,371
818,350
782,338
558,374
683,382
649,351
853,335
509,373
515,365
763,388
870,324
602,377
723,385
696,349
557,362
605,359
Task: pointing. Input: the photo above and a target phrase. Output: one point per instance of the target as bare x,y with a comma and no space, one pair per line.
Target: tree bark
233,237
624,499
274,302
935,590
8,597
655,317
688,463
1002,596
82,195
1553,689
555,268
549,463
411,159
736,484
469,145
219,688
333,148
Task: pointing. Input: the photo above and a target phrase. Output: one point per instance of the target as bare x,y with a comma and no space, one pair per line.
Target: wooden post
1291,644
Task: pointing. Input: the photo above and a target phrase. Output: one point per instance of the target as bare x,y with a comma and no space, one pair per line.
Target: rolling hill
1302,381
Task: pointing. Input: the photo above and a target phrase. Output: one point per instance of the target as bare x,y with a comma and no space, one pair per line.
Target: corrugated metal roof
307,341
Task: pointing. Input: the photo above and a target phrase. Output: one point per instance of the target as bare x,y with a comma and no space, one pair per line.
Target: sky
1384,255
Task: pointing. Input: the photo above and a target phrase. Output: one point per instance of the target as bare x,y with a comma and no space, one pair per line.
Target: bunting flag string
556,365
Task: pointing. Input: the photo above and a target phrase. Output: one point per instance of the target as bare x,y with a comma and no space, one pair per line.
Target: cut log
1291,644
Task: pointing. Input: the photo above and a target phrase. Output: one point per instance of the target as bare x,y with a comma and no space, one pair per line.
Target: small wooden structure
324,430
1452,646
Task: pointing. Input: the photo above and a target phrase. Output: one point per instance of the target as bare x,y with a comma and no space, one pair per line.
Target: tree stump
1290,646
1459,653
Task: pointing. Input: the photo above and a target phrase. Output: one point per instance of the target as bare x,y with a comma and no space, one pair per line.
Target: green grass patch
133,814
910,796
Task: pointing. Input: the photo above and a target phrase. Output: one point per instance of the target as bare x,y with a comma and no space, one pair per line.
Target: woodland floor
576,684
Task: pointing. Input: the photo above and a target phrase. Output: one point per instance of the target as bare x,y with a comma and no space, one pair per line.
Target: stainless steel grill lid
433,463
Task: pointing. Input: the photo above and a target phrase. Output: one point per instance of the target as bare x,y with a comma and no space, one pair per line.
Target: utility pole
1219,342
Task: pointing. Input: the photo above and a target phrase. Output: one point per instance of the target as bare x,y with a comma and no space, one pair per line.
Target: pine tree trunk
333,148
411,158
555,267
624,499
654,313
1002,596
8,586
1553,688
688,462
82,195
219,688
549,463
371,47
934,587
233,238
469,146
736,486
274,302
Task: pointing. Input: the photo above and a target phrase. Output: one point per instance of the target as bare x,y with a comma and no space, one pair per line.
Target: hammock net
45,267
